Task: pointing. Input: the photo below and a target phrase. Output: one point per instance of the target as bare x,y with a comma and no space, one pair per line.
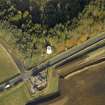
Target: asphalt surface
73,53
79,50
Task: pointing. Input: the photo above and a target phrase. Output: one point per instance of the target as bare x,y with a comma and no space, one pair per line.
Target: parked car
7,86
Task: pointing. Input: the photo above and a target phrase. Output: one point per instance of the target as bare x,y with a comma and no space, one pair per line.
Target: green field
15,96
8,68
53,82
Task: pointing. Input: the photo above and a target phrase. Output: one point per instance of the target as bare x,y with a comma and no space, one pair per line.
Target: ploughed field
86,88
83,85
8,68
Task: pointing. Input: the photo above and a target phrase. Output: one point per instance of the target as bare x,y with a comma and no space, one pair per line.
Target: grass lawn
8,68
17,95
53,82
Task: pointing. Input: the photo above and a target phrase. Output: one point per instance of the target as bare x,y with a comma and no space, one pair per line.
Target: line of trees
49,12
42,22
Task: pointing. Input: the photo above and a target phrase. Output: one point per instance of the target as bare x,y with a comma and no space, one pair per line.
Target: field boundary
82,70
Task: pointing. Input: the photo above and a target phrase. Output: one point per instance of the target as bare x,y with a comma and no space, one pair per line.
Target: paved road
76,49
79,50
73,53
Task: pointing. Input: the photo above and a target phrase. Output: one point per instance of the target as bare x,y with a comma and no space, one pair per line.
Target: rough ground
84,88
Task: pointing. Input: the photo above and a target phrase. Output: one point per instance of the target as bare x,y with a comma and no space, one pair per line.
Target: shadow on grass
42,100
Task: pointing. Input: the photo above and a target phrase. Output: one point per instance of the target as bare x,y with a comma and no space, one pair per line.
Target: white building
49,50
